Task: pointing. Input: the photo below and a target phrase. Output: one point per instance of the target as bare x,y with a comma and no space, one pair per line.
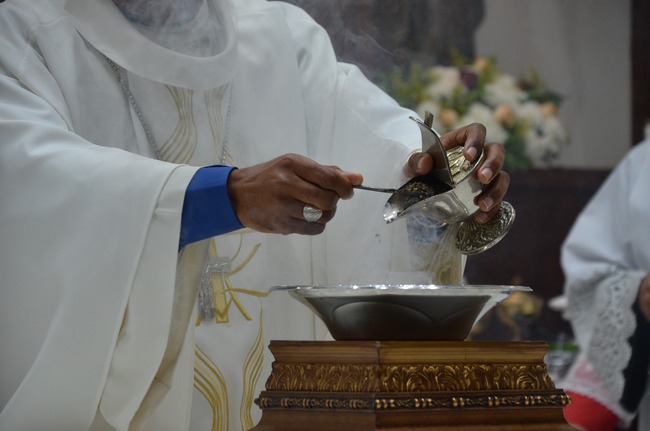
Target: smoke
159,13
192,27
381,35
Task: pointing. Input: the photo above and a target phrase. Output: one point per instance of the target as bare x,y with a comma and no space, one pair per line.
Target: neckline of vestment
225,156
102,24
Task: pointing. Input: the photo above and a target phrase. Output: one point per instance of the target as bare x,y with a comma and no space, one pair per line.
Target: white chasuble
98,310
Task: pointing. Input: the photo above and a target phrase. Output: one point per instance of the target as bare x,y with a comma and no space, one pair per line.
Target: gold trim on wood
332,403
323,377
464,377
557,399
407,378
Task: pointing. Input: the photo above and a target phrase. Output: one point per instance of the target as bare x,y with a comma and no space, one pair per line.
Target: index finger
471,137
329,177
494,155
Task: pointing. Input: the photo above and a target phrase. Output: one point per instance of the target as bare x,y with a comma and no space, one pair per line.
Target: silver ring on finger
311,214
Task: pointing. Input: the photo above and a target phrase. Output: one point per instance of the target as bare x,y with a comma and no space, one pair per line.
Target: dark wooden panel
547,203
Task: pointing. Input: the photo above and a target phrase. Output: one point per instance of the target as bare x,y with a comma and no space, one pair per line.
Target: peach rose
480,64
548,110
505,115
448,117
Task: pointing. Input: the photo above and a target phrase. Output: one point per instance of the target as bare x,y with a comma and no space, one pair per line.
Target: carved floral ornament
407,378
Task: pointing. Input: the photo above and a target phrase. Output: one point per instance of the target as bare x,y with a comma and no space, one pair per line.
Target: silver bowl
400,312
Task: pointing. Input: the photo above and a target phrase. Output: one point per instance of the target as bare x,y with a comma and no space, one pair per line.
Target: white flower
548,109
530,112
541,150
428,105
446,79
504,90
555,131
434,108
501,105
480,113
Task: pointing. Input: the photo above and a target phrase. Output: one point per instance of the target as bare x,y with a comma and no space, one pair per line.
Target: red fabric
588,414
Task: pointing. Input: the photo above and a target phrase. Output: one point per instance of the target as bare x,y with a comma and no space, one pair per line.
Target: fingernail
487,173
472,151
420,163
486,203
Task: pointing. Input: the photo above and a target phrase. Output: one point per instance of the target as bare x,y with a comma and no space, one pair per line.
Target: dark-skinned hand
644,298
495,181
270,197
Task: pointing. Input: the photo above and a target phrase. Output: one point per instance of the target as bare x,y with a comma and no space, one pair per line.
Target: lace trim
583,379
601,311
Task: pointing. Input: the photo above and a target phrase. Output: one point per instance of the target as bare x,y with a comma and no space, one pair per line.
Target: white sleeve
89,238
355,125
603,271
353,121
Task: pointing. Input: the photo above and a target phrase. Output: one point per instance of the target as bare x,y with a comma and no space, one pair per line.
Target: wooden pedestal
400,386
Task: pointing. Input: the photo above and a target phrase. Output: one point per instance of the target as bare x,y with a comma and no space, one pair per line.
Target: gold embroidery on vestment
180,147
251,374
212,386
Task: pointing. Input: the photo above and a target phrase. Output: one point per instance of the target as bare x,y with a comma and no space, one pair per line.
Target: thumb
418,164
355,178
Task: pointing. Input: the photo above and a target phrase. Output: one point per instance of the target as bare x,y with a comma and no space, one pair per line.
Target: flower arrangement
520,113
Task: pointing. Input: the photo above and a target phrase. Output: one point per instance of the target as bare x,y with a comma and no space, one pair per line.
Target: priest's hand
281,195
644,298
494,180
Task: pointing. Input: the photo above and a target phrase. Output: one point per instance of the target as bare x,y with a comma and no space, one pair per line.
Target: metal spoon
384,190
375,189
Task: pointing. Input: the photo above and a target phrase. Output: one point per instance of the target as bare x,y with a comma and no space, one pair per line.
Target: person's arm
103,225
340,99
221,199
604,265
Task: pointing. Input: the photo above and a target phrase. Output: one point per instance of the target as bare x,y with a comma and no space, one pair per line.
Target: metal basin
400,312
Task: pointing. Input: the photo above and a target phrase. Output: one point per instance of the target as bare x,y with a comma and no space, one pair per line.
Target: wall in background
581,49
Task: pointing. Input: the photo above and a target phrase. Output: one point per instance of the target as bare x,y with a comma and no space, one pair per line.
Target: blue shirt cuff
207,210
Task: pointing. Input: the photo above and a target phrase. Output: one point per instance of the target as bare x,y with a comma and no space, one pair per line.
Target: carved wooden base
405,386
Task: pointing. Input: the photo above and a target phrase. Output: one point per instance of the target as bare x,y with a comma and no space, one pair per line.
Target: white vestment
605,257
97,307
